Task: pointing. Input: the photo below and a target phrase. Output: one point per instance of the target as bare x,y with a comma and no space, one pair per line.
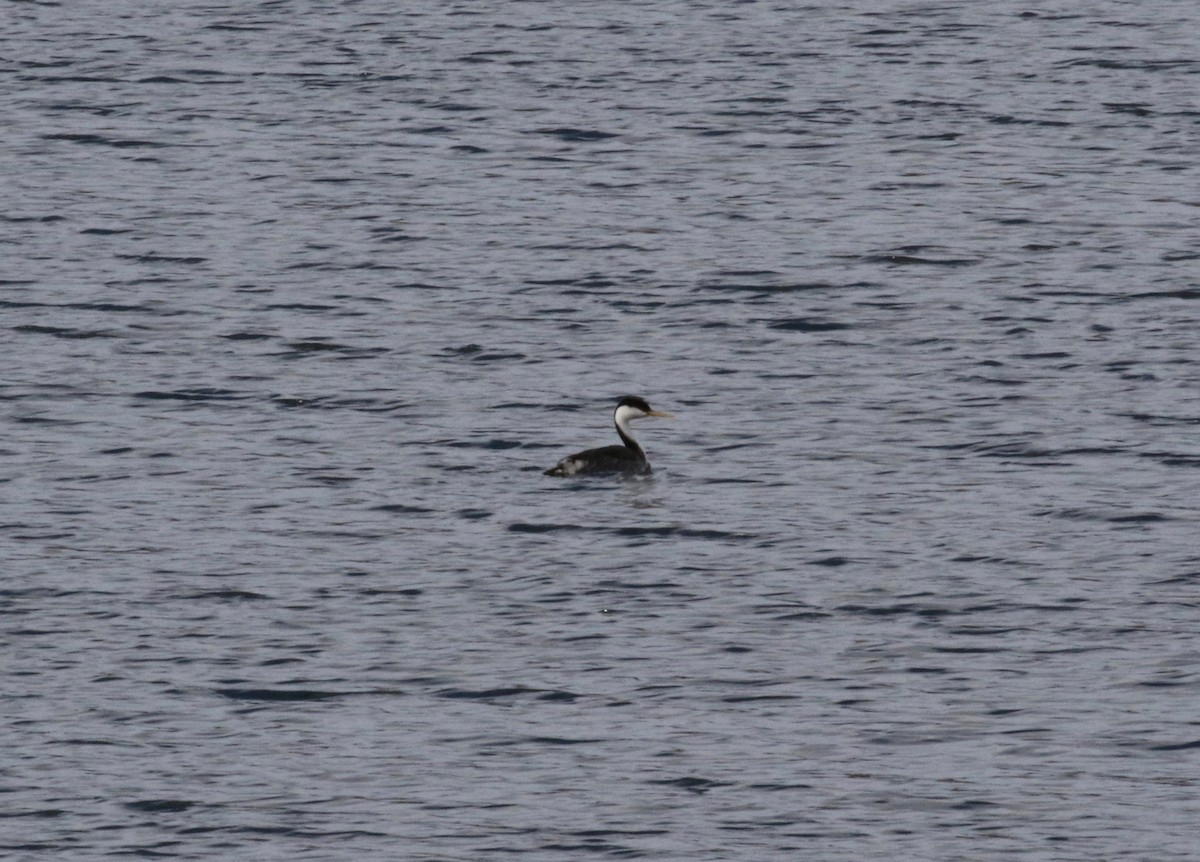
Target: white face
626,414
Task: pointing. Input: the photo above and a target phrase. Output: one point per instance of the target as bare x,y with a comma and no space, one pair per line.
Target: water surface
300,299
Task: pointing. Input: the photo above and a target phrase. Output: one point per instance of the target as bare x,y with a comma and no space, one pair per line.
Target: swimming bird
628,458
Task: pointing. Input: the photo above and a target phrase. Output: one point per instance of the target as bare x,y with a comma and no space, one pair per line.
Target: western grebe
629,458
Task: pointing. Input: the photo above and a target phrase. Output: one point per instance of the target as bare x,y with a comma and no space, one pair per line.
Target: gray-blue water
298,300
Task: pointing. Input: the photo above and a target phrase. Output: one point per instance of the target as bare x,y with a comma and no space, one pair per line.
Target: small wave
101,140
63,331
505,693
226,595
692,784
402,508
160,806
576,135
1103,516
1176,746
807,324
162,258
521,527
198,394
279,694
913,260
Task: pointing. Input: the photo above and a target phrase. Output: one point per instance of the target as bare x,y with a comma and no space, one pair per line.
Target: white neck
622,417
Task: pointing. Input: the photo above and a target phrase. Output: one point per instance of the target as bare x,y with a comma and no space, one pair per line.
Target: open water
298,299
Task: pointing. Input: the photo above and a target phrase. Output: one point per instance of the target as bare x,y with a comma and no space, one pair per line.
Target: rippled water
299,299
